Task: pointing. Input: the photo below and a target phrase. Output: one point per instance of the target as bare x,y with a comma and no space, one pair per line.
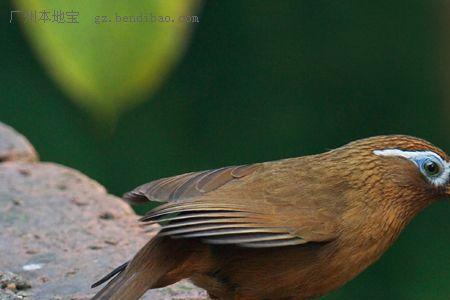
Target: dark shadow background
263,80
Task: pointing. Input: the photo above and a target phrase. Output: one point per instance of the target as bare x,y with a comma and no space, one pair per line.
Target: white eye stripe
407,154
414,155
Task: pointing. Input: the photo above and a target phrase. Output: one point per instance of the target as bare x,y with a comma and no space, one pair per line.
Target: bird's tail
147,270
123,286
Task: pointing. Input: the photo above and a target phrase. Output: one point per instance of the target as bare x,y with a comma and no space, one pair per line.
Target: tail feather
110,275
148,269
122,287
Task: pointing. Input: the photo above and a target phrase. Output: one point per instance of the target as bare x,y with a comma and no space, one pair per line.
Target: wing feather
214,227
275,243
248,238
206,206
194,215
226,231
200,222
224,224
188,185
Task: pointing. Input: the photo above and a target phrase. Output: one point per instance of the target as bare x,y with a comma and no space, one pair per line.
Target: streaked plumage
280,230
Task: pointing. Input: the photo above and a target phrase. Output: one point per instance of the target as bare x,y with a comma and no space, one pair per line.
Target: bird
295,228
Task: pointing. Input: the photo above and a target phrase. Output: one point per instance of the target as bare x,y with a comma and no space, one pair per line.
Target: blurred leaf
108,67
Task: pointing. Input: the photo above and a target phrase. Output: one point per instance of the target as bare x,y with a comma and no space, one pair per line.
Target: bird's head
411,170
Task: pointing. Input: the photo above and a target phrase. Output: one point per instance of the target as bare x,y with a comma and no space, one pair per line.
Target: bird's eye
431,168
430,164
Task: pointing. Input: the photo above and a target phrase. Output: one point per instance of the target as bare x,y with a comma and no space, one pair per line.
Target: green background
263,80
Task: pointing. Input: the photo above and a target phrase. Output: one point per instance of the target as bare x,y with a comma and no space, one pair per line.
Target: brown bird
296,228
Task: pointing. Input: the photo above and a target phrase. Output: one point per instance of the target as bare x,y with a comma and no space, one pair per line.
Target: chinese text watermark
72,17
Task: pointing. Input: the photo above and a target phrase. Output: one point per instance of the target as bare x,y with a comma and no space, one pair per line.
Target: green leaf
109,66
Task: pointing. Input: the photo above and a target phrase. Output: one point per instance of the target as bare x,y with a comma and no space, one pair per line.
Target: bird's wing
188,185
227,206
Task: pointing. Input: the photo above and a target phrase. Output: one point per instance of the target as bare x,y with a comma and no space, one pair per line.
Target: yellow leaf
108,55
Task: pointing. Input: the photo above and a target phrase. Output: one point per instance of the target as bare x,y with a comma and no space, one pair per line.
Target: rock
13,281
14,146
62,231
9,295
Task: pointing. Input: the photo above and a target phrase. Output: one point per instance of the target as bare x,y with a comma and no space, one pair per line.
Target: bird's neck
371,230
